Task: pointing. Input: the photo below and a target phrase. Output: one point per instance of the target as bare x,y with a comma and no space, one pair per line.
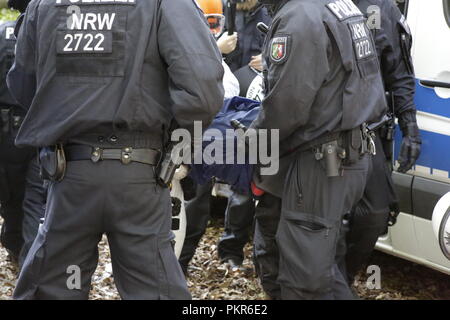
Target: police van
422,232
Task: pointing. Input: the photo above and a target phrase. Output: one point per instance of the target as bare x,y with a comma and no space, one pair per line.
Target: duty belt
125,155
341,148
314,144
366,138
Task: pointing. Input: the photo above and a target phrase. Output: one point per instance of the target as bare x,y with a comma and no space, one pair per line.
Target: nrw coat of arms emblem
278,50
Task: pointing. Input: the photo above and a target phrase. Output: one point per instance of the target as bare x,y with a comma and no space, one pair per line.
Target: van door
401,239
430,24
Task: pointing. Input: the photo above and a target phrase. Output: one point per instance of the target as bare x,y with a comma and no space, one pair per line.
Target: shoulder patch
279,49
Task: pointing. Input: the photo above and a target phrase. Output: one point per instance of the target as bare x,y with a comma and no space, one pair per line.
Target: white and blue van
422,233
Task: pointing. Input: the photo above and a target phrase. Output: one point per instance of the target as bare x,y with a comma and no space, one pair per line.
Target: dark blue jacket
239,176
250,39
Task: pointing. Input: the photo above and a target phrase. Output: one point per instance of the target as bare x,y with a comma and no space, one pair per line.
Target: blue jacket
239,176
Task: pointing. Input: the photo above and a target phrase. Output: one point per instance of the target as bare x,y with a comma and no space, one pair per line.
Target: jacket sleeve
395,42
21,79
194,63
293,81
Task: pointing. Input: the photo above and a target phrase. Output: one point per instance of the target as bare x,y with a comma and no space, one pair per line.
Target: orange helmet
211,6
213,10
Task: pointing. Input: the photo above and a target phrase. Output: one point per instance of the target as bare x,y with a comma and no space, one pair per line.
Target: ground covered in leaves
209,279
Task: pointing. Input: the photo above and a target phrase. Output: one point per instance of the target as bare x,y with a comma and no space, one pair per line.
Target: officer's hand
409,153
411,144
256,62
227,43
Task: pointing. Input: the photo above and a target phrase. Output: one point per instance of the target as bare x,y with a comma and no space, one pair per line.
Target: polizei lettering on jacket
9,33
344,9
86,32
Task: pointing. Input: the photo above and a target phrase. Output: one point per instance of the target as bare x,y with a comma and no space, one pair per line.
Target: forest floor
209,279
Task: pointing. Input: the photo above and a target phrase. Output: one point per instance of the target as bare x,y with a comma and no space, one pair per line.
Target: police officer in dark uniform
13,161
323,84
102,82
22,195
378,208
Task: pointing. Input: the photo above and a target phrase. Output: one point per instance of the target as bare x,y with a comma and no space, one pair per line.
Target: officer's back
92,66
336,86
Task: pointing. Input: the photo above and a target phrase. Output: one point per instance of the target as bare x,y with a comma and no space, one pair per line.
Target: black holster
387,135
53,163
168,165
346,150
333,156
166,169
352,143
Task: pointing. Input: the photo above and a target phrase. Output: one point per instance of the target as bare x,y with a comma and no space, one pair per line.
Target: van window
447,11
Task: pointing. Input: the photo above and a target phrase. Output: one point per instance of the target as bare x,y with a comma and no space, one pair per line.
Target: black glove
411,144
20,5
393,215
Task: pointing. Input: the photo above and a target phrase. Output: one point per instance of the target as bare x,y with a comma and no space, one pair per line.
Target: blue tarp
239,176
